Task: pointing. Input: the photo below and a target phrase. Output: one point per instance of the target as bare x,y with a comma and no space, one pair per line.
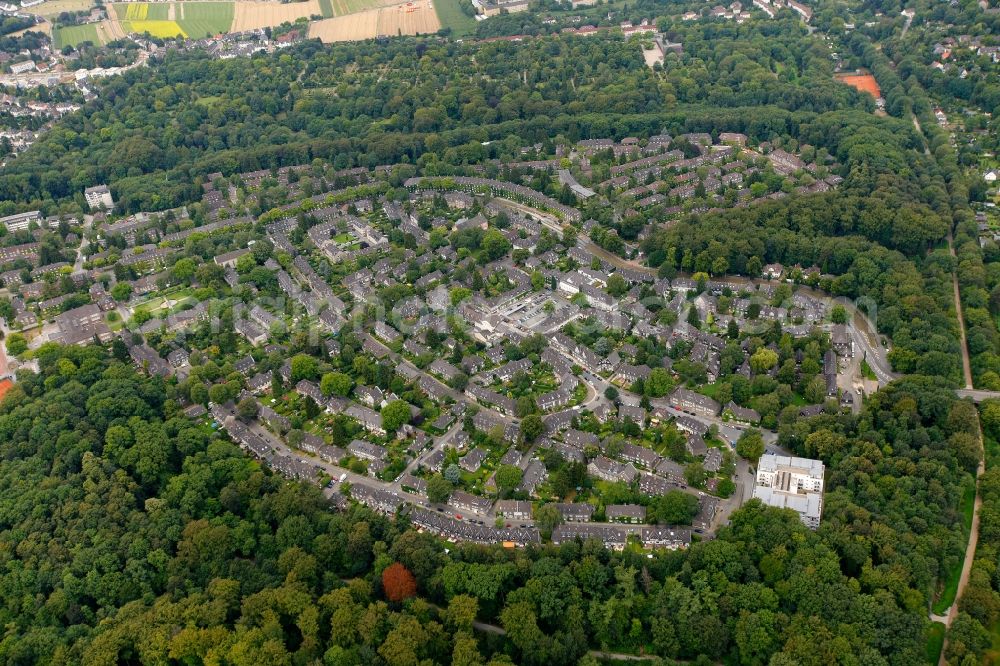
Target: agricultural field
343,7
327,8
202,19
169,19
56,7
251,14
411,18
159,19
451,16
72,35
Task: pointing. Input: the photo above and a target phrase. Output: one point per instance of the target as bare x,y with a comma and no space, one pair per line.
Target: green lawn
74,35
327,8
866,371
203,19
935,641
452,16
967,506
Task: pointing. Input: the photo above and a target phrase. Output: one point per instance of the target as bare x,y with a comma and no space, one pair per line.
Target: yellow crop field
161,29
136,11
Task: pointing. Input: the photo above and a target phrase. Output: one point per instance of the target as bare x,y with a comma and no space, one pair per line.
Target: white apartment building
793,483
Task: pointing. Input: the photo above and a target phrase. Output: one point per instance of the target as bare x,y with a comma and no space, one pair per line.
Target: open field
863,82
142,11
76,34
342,7
44,27
110,30
56,7
200,19
451,16
404,19
327,8
161,29
251,15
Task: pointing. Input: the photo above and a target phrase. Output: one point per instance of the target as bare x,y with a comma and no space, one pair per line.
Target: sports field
72,35
863,82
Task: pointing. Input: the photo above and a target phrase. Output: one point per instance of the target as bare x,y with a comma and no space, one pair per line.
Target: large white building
99,197
20,221
793,483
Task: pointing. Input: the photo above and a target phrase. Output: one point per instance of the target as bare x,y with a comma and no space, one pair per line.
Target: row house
611,537
625,513
367,451
607,469
369,420
464,501
573,512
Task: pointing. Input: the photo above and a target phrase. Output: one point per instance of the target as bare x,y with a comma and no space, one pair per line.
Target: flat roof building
793,483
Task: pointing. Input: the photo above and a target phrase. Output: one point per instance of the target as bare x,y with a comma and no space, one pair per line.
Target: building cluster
537,293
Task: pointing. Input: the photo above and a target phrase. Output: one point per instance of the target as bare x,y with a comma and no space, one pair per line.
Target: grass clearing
866,371
74,35
327,7
451,16
935,641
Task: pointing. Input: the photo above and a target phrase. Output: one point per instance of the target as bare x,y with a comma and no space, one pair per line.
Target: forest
161,542
152,133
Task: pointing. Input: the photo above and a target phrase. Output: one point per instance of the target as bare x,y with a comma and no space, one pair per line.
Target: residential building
99,197
791,483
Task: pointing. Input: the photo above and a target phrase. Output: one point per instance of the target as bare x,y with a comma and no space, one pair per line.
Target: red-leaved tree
398,582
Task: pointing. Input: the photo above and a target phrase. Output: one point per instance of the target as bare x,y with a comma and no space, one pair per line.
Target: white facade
791,483
99,197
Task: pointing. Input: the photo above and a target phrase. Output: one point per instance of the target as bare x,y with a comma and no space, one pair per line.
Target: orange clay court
863,82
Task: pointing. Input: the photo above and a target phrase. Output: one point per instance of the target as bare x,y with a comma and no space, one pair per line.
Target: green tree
439,489
750,445
617,286
395,414
659,383
695,474
336,383
304,367
547,517
675,508
763,360
532,427
17,344
508,477
122,291
247,409
838,315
